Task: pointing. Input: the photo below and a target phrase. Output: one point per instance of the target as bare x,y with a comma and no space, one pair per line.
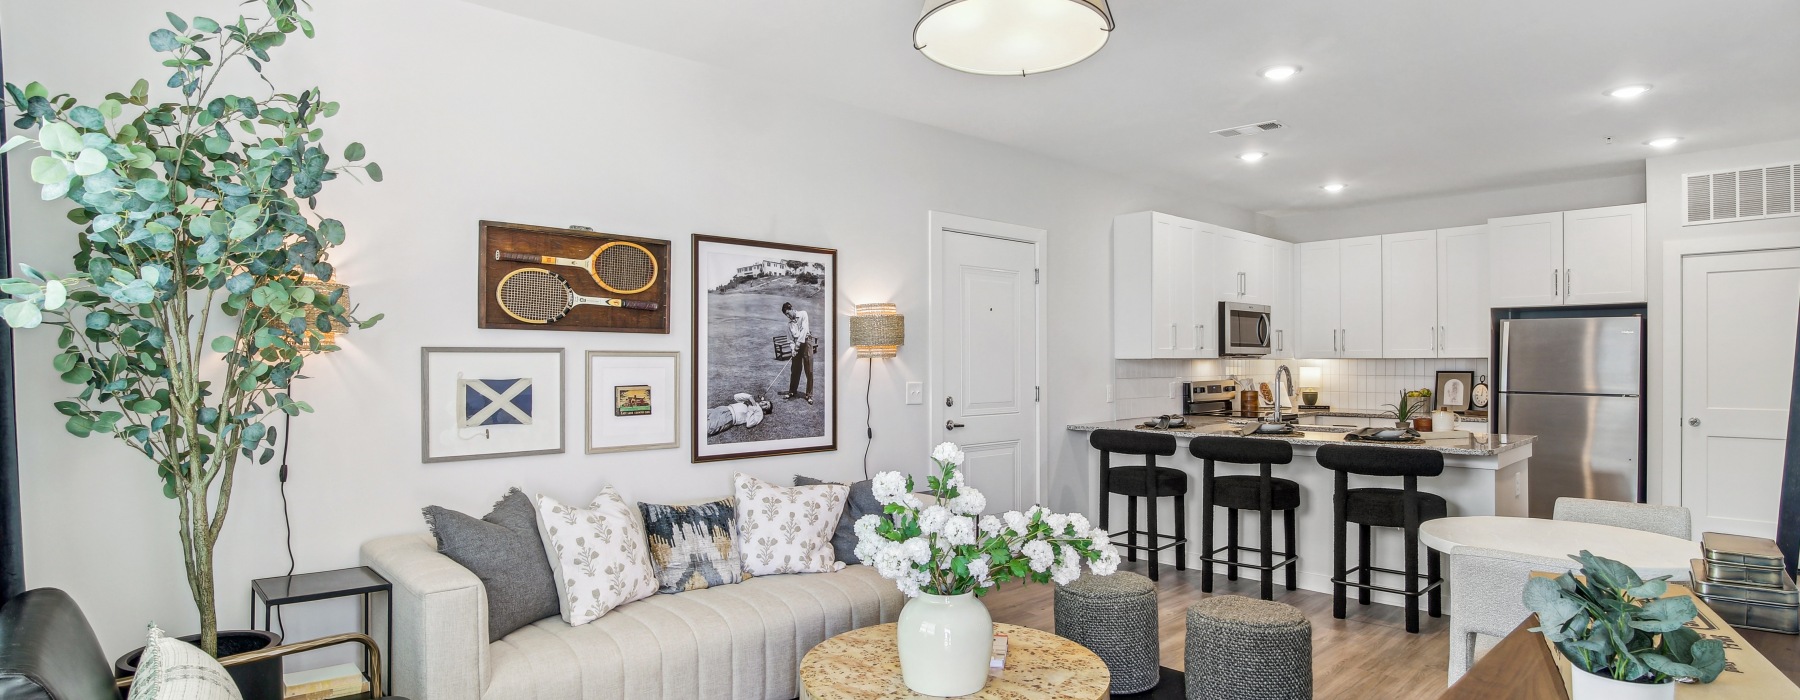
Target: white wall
476,115
1665,213
1462,209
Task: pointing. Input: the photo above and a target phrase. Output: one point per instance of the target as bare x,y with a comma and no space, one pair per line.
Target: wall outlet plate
915,393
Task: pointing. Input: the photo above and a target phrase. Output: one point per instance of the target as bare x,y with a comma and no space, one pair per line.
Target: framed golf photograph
1453,390
484,403
765,330
633,401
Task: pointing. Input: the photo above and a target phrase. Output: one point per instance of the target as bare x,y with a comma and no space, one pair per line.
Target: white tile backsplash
1148,387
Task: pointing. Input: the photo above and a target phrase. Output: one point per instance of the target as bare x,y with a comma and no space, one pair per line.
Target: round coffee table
864,664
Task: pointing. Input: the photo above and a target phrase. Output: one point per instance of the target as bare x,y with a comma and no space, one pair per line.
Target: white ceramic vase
945,642
1590,686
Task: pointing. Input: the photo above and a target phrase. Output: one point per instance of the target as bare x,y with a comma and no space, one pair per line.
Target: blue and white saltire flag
488,402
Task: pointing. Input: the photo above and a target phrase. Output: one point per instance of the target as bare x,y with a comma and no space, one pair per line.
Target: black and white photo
765,324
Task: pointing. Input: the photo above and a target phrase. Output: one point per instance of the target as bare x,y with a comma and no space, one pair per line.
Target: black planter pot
257,681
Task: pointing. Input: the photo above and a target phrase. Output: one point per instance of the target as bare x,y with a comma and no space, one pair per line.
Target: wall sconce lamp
327,339
877,330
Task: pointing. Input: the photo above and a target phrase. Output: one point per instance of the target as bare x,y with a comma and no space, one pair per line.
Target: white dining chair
1674,521
1487,591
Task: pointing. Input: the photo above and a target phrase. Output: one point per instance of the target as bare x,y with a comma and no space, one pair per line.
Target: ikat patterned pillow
597,553
693,546
787,529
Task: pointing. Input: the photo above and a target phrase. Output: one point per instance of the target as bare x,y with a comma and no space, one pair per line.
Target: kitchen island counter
1477,445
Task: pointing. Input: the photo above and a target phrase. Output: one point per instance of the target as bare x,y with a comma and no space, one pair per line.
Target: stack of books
340,681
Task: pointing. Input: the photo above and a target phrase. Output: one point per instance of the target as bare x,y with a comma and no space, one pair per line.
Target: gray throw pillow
862,502
503,550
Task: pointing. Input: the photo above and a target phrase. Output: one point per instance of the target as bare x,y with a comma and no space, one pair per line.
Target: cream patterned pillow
597,553
171,669
787,529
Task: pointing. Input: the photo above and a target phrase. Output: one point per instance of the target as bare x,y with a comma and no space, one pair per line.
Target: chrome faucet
1280,372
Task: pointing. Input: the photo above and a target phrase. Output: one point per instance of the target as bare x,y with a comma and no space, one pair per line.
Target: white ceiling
1399,98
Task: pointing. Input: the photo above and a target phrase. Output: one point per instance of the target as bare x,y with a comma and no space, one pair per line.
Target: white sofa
739,641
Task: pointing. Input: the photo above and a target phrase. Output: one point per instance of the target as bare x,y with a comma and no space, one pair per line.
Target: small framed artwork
765,339
483,403
634,401
1453,390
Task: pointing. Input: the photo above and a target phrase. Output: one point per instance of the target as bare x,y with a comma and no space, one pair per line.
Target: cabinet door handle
1555,283
1243,284
1569,281
1200,337
1280,342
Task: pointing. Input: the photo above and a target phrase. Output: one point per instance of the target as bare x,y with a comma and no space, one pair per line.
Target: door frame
1664,470
936,223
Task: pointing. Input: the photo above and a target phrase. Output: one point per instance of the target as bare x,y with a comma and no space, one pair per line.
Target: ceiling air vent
1738,195
1256,128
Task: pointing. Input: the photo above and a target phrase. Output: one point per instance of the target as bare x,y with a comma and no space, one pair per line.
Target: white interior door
986,394
1409,297
1738,323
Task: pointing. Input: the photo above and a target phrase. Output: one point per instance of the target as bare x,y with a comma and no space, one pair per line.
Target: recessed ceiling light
1280,72
1663,142
1627,92
1334,187
1252,156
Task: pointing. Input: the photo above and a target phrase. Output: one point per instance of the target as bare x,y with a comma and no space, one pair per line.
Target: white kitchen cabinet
1604,255
1464,315
1318,274
1162,295
1245,267
1531,259
1409,294
1339,285
1360,334
1282,308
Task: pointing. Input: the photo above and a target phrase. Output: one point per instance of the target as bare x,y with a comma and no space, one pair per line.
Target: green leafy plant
1612,623
1411,404
198,286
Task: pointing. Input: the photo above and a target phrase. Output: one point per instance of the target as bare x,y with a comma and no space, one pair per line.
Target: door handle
952,425
1555,283
1280,340
1568,280
1200,337
1693,422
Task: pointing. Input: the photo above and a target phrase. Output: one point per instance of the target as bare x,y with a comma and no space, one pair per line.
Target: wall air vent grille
1741,194
1256,128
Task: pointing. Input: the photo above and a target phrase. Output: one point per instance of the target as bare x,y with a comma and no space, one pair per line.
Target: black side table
277,591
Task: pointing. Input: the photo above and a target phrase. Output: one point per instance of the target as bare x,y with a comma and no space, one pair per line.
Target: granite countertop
1371,413
1477,445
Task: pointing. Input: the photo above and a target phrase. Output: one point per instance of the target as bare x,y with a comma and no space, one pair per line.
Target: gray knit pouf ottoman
1246,649
1114,617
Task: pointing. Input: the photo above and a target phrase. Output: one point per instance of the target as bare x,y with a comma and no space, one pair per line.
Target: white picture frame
515,425
612,427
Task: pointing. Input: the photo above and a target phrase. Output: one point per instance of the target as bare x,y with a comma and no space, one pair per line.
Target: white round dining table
1648,553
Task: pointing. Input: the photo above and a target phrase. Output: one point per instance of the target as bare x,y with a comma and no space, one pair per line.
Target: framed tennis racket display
543,278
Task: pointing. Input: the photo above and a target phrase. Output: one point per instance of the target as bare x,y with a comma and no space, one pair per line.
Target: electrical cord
287,525
868,417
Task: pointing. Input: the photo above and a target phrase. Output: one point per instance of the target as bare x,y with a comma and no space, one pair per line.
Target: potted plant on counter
1412,406
201,281
1625,640
946,554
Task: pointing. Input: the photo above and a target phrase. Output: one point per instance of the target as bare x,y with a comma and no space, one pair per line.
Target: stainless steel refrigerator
1577,384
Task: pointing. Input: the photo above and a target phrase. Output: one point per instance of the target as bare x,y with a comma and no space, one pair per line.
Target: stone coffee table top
864,664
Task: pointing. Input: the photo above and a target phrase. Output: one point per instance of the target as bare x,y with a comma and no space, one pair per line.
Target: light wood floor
1366,655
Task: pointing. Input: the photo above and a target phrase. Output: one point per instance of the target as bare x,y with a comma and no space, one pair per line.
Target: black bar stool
1147,481
1375,507
1263,494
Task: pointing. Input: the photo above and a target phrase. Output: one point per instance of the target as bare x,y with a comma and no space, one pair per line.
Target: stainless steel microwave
1244,329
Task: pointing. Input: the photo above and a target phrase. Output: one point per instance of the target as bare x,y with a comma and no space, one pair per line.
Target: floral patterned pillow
597,553
787,529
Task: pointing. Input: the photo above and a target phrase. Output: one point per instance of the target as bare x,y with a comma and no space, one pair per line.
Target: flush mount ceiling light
1334,187
1663,142
1011,37
1627,92
1280,72
1252,156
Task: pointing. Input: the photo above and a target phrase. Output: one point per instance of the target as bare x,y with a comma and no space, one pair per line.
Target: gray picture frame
666,405
426,397
1444,376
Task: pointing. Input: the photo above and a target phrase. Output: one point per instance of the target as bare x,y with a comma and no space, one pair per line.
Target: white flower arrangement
950,548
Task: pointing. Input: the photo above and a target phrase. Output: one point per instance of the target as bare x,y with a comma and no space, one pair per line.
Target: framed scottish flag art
483,403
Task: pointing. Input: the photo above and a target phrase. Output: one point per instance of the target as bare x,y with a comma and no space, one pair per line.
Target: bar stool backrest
1381,461
1237,450
1133,443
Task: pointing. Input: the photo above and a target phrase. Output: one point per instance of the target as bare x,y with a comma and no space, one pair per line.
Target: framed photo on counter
1453,390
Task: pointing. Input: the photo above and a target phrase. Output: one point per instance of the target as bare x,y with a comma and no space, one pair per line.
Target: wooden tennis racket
620,267
537,295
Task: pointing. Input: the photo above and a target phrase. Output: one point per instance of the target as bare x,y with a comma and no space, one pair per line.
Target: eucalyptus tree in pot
200,283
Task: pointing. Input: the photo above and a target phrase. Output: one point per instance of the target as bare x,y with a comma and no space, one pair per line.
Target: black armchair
48,651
